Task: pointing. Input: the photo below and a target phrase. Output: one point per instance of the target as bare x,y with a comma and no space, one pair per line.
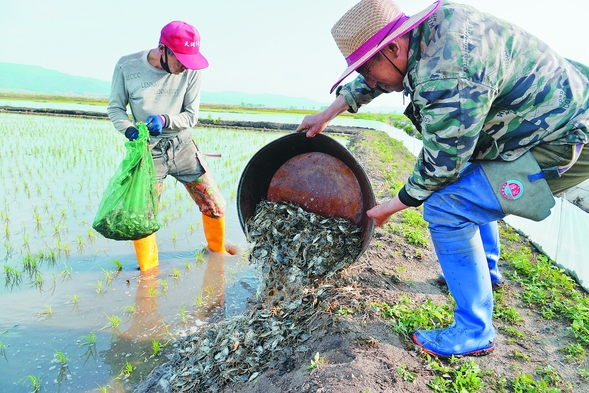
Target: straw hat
368,27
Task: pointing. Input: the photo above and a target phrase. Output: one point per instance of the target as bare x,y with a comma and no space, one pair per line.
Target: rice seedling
183,313
152,291
80,243
176,273
60,357
199,256
57,230
126,371
37,280
47,313
118,265
9,248
30,264
91,235
26,242
47,256
166,332
66,273
198,300
114,322
103,389
164,284
26,188
38,220
35,382
13,277
89,339
129,310
108,275
99,287
3,350
66,250
155,346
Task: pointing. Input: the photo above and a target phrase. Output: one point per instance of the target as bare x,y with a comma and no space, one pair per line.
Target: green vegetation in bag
129,206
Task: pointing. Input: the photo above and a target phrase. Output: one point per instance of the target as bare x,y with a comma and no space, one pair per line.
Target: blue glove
132,133
155,124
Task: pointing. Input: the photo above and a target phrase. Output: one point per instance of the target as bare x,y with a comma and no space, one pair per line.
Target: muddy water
76,314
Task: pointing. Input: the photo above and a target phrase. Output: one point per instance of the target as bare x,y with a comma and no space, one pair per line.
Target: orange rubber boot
214,229
146,251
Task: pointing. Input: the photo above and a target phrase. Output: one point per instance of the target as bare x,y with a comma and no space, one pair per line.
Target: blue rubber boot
490,237
456,214
464,265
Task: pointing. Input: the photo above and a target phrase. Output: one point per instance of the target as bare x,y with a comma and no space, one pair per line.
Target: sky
255,46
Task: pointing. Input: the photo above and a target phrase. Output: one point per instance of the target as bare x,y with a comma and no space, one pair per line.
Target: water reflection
136,350
213,288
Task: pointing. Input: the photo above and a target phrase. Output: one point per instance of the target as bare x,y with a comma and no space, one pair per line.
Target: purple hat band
375,39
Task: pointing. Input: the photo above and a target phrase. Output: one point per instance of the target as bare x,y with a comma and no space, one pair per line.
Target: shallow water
61,282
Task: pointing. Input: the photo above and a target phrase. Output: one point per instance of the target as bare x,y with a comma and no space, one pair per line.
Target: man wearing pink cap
503,120
161,86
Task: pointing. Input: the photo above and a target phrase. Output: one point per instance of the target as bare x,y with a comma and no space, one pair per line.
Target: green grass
550,290
466,376
390,153
316,362
406,317
412,227
405,374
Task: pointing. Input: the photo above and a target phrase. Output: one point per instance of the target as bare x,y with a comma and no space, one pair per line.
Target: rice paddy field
76,313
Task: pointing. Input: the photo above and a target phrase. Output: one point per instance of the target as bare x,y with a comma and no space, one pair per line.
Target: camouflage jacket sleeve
358,93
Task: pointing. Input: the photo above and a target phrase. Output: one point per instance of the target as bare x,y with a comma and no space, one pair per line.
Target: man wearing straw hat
503,119
162,88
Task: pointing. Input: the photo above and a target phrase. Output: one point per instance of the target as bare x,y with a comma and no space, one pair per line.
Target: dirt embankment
252,125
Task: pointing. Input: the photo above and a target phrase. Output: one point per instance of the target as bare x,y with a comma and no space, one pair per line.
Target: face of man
174,64
382,69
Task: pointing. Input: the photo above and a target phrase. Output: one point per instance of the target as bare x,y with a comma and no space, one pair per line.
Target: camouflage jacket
481,89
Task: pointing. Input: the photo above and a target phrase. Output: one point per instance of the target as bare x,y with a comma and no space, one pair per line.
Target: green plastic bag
129,206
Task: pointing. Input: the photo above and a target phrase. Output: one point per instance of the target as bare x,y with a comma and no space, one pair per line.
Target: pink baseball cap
184,40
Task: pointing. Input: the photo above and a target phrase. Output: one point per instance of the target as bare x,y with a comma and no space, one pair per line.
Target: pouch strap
554,172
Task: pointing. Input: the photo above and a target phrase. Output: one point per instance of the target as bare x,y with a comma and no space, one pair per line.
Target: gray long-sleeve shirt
151,91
